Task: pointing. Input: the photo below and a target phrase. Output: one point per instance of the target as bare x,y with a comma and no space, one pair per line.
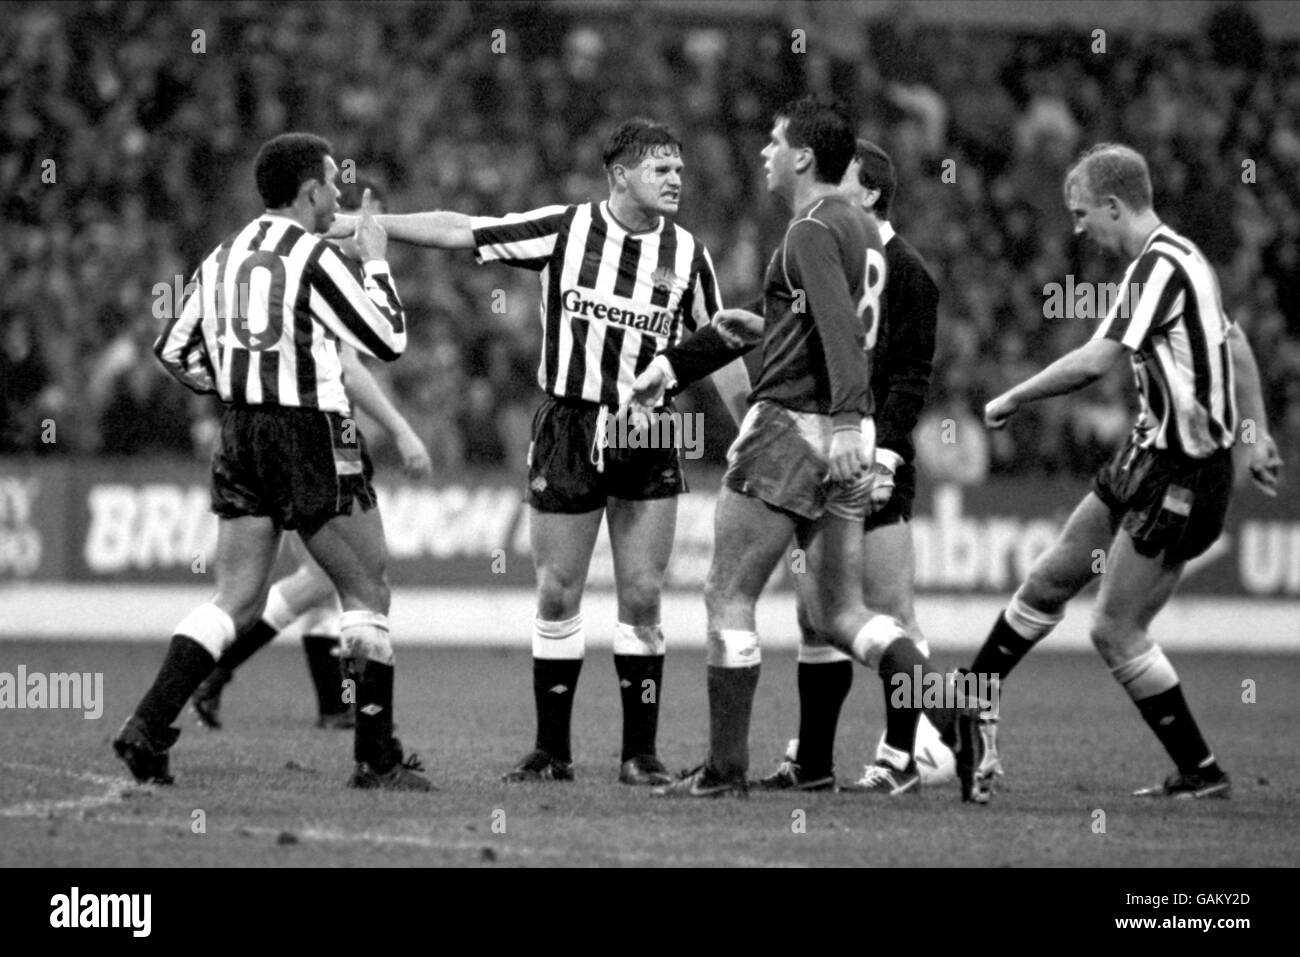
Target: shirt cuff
846,420
375,267
889,459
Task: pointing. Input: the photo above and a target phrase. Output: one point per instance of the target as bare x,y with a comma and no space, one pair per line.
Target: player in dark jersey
1161,501
261,329
900,377
801,464
620,282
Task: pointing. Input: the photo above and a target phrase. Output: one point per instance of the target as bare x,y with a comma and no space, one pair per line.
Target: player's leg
320,640
1057,575
750,537
561,545
566,497
825,676
351,549
874,639
246,549
287,598
641,538
1133,590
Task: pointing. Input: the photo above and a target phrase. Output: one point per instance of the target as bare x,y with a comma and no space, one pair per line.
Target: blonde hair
1112,169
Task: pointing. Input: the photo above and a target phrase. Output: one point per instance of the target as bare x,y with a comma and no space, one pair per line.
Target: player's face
655,183
325,198
1094,220
779,161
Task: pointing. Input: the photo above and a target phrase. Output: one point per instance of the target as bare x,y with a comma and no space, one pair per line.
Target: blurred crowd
128,129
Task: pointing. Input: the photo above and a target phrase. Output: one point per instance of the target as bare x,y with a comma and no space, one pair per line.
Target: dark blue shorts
297,467
1166,501
563,474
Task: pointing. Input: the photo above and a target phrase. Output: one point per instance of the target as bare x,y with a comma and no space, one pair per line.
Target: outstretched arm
1075,370
439,229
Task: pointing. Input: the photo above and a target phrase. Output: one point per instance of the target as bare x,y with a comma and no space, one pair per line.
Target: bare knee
1115,638
558,599
638,599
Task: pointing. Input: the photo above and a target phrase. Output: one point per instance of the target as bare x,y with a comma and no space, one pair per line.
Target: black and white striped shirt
265,312
611,299
1170,313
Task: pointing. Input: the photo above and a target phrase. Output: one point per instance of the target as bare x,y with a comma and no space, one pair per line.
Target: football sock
247,643
326,672
196,643
183,670
558,649
1015,632
823,686
902,710
734,664
373,741
639,662
1152,683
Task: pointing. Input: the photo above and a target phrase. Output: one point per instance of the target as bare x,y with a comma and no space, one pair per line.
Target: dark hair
635,139
286,162
876,171
350,193
1112,169
824,126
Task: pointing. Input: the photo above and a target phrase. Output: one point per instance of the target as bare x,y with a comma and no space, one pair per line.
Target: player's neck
1135,240
304,217
808,191
632,218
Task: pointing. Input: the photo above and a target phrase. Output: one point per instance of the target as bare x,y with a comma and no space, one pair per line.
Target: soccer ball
934,759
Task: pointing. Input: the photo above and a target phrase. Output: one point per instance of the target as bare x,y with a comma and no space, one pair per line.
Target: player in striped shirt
306,596
620,281
262,328
1162,499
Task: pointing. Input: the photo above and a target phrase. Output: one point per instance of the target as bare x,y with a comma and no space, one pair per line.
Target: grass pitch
268,789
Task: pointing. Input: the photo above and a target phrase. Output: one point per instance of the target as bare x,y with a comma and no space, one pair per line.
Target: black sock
640,683
373,741
731,700
554,681
822,690
901,703
326,673
186,665
1170,718
1001,651
246,644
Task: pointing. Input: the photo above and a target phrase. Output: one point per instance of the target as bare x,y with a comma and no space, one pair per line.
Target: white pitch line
116,787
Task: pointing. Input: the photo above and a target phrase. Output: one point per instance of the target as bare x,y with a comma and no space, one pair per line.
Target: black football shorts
1166,501
564,461
297,467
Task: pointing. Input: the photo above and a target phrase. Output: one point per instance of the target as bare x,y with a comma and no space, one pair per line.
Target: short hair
876,171
1112,169
286,162
825,127
635,139
350,193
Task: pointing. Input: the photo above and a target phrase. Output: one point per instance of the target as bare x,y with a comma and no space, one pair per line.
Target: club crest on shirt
663,279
